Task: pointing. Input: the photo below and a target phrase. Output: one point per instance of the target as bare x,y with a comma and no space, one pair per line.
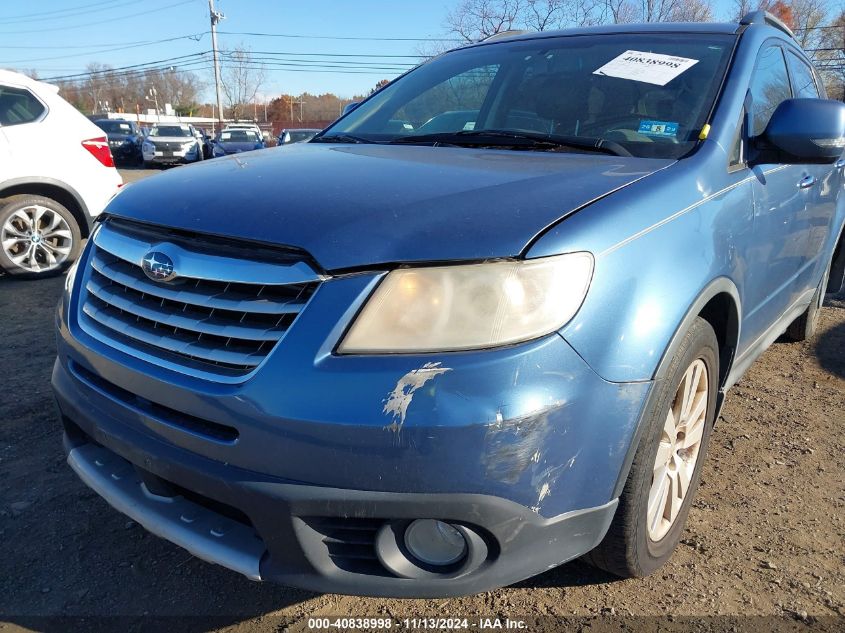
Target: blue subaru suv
480,326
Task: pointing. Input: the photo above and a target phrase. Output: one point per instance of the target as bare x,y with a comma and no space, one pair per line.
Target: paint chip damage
397,402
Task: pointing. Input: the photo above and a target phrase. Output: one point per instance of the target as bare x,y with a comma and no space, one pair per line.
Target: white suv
56,175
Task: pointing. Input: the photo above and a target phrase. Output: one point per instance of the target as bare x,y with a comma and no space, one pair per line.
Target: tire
633,546
59,238
804,327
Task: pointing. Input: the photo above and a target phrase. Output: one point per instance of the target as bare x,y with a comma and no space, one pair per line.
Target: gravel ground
764,538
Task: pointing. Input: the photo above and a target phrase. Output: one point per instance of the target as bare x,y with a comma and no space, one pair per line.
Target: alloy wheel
677,453
36,238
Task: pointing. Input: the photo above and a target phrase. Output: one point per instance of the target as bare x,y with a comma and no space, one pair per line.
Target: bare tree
741,9
474,20
691,11
543,15
242,79
618,12
830,57
807,16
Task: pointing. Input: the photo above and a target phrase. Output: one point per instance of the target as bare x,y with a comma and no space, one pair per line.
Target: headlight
470,306
147,146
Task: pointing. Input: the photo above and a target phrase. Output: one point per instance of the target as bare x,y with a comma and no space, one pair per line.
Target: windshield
238,136
170,130
297,136
115,127
644,94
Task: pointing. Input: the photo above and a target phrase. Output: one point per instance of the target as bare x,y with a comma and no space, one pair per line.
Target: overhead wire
117,19
53,11
339,37
68,13
196,37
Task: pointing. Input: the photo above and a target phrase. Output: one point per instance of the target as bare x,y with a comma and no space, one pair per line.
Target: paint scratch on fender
397,402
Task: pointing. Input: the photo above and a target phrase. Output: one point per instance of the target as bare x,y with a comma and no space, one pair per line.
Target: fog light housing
435,542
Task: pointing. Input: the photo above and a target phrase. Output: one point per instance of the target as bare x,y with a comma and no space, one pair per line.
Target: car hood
171,139
362,205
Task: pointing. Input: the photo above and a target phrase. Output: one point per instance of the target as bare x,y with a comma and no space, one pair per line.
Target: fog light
435,542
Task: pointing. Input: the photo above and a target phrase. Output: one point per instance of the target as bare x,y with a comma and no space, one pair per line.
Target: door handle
839,164
806,182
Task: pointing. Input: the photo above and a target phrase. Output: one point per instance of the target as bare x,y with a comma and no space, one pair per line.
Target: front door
781,196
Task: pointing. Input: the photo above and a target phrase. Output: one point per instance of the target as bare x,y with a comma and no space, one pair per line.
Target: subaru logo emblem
158,266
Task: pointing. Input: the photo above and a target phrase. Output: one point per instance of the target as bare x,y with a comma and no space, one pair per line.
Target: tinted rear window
18,106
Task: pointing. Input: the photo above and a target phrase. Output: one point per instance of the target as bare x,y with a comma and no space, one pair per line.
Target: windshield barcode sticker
652,68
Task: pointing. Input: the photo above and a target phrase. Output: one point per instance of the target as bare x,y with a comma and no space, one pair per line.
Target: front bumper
306,536
170,157
524,446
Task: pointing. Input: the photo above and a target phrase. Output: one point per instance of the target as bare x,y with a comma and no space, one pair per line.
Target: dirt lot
765,536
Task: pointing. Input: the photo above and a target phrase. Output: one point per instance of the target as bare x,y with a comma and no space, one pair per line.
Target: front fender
664,247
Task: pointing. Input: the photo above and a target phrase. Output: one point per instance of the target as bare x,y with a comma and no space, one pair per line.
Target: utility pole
216,16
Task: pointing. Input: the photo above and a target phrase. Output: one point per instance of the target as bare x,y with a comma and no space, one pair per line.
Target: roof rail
503,34
764,17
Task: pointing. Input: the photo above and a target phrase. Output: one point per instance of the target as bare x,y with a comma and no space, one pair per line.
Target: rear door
815,221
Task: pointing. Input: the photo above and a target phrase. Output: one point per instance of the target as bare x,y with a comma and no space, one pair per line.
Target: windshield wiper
508,138
340,138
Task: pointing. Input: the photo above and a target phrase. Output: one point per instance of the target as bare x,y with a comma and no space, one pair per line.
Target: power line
77,46
32,15
66,14
337,37
106,71
336,54
304,62
813,28
196,37
80,26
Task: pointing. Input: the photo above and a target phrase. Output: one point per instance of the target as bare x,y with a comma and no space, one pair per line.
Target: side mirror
349,107
807,130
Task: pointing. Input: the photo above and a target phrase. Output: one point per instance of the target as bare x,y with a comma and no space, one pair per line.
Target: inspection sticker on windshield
658,128
652,68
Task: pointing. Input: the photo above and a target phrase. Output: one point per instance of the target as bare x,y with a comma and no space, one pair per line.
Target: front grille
169,146
226,325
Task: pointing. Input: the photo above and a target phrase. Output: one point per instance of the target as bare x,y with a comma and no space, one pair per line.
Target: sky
318,46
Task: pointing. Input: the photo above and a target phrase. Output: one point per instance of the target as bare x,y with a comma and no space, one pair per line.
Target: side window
803,81
737,157
18,106
769,87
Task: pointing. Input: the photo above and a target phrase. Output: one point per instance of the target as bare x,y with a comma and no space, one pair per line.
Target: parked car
125,139
427,364
244,126
170,144
296,135
235,141
48,199
206,140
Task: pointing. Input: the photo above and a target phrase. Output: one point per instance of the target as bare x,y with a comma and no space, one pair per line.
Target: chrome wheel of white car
678,450
37,236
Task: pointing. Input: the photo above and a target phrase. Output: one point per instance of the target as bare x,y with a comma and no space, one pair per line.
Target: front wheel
664,475
39,236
